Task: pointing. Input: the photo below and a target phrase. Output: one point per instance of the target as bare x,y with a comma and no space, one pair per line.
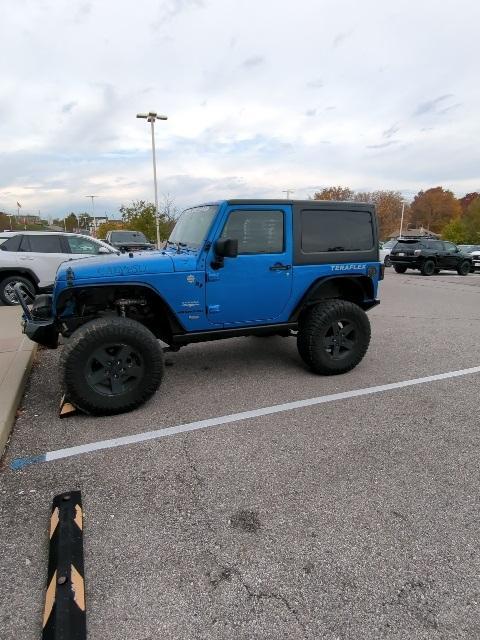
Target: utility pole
151,116
93,212
288,192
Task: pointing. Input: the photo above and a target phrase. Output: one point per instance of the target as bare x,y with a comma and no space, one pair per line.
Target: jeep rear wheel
428,268
400,268
111,365
333,336
464,268
8,293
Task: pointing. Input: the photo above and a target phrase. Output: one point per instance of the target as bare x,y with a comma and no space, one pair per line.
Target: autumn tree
472,222
434,208
388,205
455,231
467,199
334,193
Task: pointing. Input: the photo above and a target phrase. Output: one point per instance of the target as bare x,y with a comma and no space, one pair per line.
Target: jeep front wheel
111,365
399,268
333,336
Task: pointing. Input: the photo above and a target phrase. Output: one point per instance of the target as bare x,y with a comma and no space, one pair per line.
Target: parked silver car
31,258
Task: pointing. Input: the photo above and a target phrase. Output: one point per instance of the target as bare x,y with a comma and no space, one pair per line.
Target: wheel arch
5,272
162,321
356,289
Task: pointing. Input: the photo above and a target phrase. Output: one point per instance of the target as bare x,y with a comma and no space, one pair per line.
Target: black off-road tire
6,289
464,268
316,336
123,340
399,268
428,268
387,262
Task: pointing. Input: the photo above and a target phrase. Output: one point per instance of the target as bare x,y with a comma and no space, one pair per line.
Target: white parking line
19,463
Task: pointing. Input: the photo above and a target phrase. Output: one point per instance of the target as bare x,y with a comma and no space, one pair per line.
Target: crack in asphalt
228,571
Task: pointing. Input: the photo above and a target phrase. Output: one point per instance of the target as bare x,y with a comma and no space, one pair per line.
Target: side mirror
104,251
227,248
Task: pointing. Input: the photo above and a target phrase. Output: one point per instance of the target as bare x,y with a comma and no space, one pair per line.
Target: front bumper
38,324
43,332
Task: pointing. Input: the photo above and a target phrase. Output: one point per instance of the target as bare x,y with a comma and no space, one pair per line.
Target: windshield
128,236
192,226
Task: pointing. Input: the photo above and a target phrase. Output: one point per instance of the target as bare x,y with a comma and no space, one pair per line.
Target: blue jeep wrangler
231,268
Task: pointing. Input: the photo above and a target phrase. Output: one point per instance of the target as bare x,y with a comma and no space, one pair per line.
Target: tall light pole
151,116
401,220
288,192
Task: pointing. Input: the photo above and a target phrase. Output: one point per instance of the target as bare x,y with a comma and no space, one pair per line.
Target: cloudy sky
261,96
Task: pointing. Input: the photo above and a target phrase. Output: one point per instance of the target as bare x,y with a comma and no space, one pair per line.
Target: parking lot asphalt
352,519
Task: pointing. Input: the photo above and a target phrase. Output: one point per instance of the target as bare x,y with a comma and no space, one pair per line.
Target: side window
335,230
12,244
435,245
256,231
82,245
449,246
44,244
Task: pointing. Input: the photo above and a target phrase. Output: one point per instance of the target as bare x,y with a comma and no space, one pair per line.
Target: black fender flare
355,288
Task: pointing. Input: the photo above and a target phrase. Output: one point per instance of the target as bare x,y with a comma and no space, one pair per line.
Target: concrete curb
16,365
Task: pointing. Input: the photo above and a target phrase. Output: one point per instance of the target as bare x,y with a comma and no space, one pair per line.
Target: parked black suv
429,256
125,241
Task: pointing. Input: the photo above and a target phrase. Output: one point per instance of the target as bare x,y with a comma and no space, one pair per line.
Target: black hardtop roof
333,204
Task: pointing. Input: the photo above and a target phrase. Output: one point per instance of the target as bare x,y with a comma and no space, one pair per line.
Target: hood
115,266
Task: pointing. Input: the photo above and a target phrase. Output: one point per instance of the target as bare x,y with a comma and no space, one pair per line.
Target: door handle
278,266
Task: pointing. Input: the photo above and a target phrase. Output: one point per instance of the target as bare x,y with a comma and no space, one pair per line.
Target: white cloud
260,97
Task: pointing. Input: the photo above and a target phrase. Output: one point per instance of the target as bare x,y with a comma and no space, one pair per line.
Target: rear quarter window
328,231
12,243
42,244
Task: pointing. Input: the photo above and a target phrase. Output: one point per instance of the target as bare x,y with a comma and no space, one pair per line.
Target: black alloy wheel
464,268
114,369
333,336
111,365
428,267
